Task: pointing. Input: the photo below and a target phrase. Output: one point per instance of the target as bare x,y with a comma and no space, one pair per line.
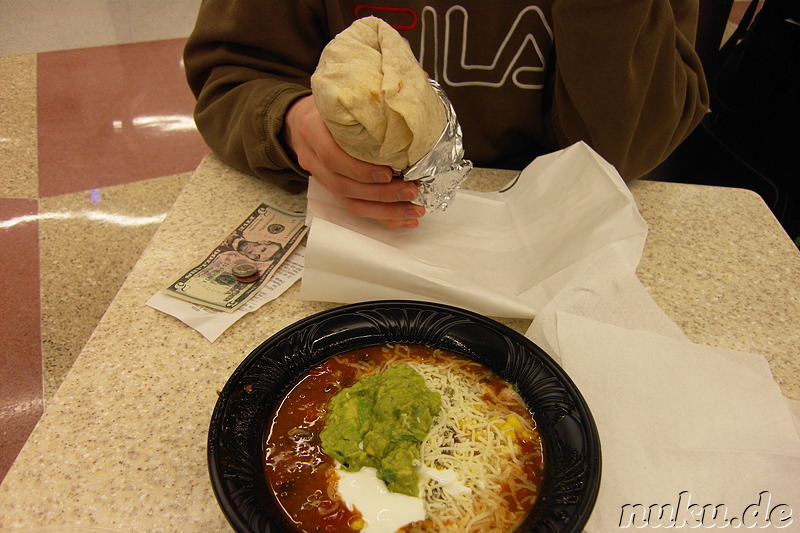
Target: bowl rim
571,439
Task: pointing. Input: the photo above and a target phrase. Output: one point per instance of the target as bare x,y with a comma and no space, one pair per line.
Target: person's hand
364,189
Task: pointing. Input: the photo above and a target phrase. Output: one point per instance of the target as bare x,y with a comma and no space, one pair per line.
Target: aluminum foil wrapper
442,170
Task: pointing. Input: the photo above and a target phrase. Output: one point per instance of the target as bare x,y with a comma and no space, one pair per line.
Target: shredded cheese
475,438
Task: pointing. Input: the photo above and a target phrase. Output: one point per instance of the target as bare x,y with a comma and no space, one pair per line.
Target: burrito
375,97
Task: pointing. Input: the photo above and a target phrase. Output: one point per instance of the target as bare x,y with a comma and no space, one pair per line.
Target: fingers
342,186
389,203
363,189
394,214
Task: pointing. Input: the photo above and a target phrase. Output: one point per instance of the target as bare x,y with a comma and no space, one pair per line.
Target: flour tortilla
375,97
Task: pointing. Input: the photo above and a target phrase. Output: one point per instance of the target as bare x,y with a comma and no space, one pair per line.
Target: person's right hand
364,189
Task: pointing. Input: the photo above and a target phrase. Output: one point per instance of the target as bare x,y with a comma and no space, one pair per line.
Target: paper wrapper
442,171
500,253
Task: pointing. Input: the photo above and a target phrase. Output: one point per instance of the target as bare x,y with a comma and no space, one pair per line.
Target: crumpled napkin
681,425
502,254
681,422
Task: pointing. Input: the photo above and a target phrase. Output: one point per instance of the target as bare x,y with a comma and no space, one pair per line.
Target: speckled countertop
122,446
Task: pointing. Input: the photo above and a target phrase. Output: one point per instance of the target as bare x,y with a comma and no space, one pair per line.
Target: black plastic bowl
240,418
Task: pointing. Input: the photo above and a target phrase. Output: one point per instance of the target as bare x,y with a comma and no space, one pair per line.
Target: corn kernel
514,422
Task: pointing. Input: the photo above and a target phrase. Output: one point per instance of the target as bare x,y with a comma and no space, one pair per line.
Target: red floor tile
20,331
114,114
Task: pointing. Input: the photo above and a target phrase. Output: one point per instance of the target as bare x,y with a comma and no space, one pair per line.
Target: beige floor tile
89,242
18,137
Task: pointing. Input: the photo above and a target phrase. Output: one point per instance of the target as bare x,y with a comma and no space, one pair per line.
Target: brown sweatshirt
525,77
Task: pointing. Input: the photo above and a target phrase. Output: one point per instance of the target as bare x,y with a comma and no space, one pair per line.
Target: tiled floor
95,145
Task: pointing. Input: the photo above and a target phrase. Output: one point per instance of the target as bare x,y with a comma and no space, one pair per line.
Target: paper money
210,323
264,239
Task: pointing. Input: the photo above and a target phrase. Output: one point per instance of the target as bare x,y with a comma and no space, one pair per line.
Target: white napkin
500,254
680,424
680,421
605,288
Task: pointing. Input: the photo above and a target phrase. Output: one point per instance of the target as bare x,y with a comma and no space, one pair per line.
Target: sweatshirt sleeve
628,80
246,62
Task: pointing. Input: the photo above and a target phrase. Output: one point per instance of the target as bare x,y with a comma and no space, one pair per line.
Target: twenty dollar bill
264,239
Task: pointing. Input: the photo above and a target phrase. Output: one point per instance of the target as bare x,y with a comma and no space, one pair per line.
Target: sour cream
382,511
448,480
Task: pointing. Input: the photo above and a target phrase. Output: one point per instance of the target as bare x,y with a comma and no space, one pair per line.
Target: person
525,77
260,251
257,251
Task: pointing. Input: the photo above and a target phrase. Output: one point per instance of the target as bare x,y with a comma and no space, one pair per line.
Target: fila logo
445,46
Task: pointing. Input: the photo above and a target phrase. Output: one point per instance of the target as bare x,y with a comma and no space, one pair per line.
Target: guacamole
379,422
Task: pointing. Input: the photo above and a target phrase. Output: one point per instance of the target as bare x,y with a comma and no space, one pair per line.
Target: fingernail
381,176
406,194
414,212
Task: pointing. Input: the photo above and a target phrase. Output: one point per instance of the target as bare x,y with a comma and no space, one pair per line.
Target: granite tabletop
122,445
